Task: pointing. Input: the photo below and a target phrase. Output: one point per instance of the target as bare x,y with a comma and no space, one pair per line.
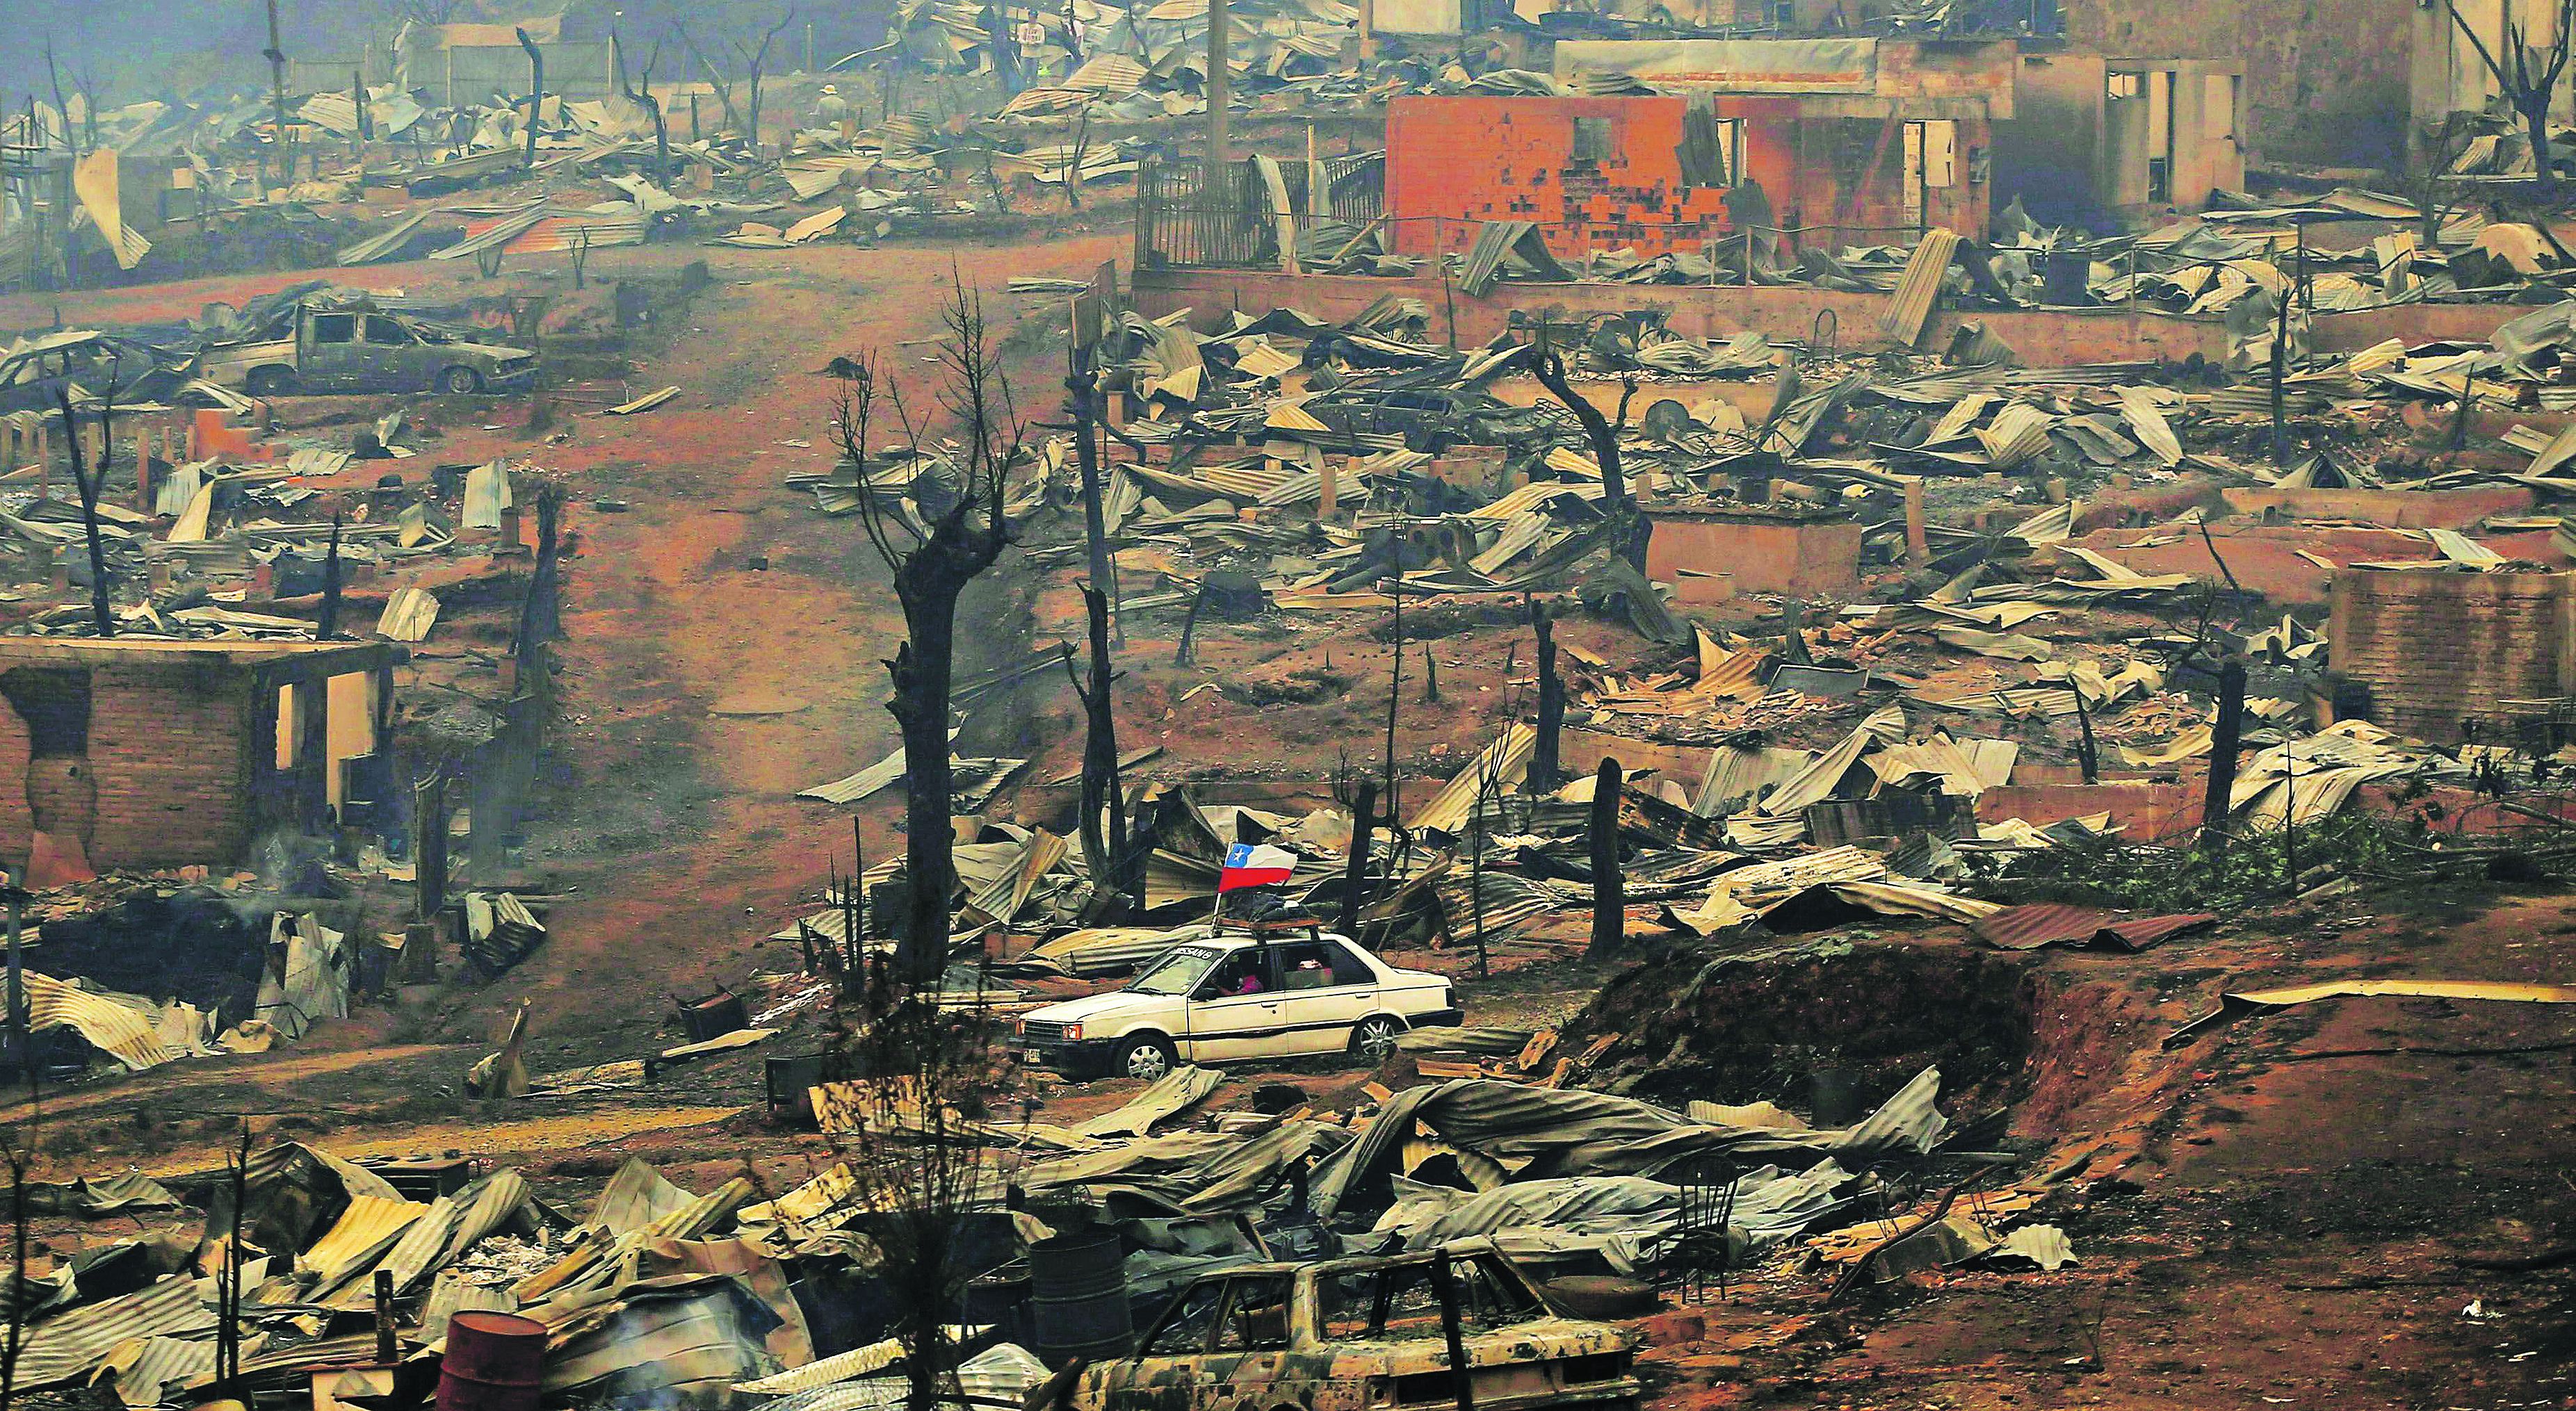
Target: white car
1232,998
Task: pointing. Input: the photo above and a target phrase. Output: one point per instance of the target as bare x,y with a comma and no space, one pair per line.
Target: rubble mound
1822,1024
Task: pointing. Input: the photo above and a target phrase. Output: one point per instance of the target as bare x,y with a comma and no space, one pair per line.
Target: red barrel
492,1362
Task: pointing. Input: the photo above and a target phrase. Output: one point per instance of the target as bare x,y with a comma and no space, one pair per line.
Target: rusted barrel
1078,1297
492,1362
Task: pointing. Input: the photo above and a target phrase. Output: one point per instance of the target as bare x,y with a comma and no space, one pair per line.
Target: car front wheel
1374,1038
460,382
1147,1058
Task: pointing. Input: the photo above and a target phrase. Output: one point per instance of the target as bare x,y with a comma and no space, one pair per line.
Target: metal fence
1188,217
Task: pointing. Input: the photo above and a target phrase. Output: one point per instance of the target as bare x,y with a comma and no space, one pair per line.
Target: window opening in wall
1591,140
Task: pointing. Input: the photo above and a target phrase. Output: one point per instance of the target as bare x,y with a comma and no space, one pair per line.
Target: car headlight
1072,1032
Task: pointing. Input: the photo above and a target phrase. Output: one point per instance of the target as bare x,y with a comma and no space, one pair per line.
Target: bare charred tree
2527,76
755,61
1104,809
2440,145
716,80
1355,869
536,91
89,482
932,554
18,1294
1627,527
1544,771
640,93
1609,903
915,1137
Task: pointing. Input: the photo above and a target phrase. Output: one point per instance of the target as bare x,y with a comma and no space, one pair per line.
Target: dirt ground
2285,1213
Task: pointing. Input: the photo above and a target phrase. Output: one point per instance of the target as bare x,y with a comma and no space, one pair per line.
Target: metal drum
492,1363
1078,1297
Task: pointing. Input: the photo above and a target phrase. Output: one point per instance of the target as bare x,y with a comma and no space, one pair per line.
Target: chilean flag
1254,865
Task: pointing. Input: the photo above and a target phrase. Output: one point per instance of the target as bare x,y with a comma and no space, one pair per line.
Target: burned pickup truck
1371,1334
312,349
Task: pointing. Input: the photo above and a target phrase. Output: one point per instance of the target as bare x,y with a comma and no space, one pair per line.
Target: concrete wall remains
1711,555
2440,651
2325,80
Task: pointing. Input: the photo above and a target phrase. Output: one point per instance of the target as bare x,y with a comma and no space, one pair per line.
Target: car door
1324,990
394,357
1250,1344
331,354
1229,1018
1172,1353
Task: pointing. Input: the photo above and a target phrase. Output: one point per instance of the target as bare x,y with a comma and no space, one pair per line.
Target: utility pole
276,53
1220,42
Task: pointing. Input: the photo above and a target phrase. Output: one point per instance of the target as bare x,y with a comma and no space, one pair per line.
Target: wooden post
1220,40
1918,547
1609,905
1331,500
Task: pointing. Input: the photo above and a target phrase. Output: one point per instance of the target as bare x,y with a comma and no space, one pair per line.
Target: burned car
361,348
88,365
1367,1334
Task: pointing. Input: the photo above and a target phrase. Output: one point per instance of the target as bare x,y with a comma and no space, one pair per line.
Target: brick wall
2438,648
167,759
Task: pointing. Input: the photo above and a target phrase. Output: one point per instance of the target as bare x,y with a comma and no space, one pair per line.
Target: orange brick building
1852,141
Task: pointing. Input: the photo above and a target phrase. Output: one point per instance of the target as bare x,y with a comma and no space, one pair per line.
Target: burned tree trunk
89,482
965,537
2222,749
921,670
536,91
1544,771
1104,845
1355,869
1627,528
1609,906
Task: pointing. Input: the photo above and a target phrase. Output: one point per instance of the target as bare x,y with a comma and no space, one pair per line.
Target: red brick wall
2438,648
169,749
1456,162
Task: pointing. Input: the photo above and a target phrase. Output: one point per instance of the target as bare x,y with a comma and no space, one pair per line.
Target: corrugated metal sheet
1106,950
1910,307
80,1340
1496,767
143,1369
123,1032
825,1371
2034,926
2031,927
1001,1375
635,1197
409,614
367,1229
499,232
858,786
452,1224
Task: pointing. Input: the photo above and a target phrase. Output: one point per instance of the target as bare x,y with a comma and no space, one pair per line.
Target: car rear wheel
1374,1037
1147,1057
460,382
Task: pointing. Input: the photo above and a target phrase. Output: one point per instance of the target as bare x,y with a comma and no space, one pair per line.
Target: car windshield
1176,973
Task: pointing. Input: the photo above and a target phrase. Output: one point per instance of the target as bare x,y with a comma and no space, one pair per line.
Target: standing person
833,111
1032,41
